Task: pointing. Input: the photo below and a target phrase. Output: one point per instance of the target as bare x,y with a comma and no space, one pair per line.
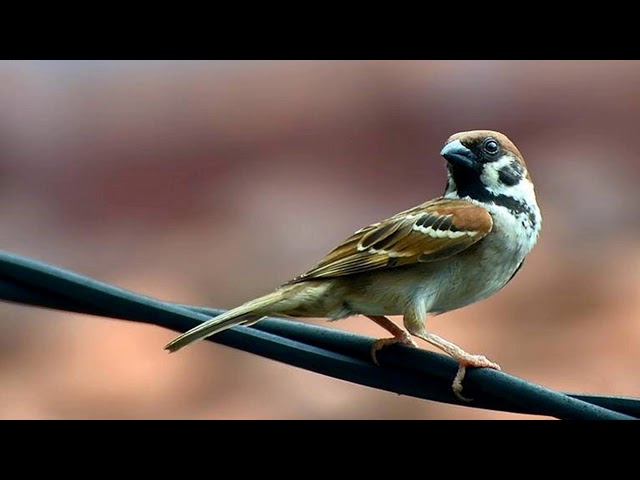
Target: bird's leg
464,359
400,335
414,323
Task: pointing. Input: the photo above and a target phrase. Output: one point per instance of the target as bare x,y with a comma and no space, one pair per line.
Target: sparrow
439,256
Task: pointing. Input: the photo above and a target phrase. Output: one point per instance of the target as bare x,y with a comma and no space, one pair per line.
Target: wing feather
432,231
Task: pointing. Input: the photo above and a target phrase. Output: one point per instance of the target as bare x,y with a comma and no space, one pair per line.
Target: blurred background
212,182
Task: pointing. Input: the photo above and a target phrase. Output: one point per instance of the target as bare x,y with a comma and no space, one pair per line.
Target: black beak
458,155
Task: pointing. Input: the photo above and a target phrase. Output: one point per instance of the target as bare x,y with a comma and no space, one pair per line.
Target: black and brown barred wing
432,231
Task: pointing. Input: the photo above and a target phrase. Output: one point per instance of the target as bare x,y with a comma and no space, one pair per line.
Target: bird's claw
477,361
383,342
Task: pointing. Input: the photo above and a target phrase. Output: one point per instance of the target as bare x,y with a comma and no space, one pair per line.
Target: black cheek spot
510,175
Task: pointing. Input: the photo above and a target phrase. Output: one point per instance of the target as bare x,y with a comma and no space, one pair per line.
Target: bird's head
486,166
484,160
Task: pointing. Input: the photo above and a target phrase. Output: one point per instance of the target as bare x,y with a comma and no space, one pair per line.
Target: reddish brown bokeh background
212,182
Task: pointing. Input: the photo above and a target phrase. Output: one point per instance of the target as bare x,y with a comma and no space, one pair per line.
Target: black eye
491,147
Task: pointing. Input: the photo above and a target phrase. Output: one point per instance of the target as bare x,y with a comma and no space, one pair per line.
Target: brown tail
247,313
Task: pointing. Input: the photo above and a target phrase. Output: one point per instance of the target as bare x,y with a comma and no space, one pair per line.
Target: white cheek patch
491,173
509,185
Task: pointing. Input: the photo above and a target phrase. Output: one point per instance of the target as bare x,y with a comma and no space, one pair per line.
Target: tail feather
247,313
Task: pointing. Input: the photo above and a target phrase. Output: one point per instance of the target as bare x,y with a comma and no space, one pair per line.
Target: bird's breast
486,267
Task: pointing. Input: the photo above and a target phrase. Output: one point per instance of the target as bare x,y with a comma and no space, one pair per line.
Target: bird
441,255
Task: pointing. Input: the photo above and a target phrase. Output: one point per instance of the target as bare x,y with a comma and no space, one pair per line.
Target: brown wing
432,231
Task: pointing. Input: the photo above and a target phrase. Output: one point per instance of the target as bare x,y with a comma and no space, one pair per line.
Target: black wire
332,352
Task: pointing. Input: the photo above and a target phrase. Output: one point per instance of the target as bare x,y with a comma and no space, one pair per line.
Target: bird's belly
470,279
442,286
458,291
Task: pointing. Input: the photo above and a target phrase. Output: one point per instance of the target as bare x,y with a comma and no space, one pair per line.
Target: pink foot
478,361
403,339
